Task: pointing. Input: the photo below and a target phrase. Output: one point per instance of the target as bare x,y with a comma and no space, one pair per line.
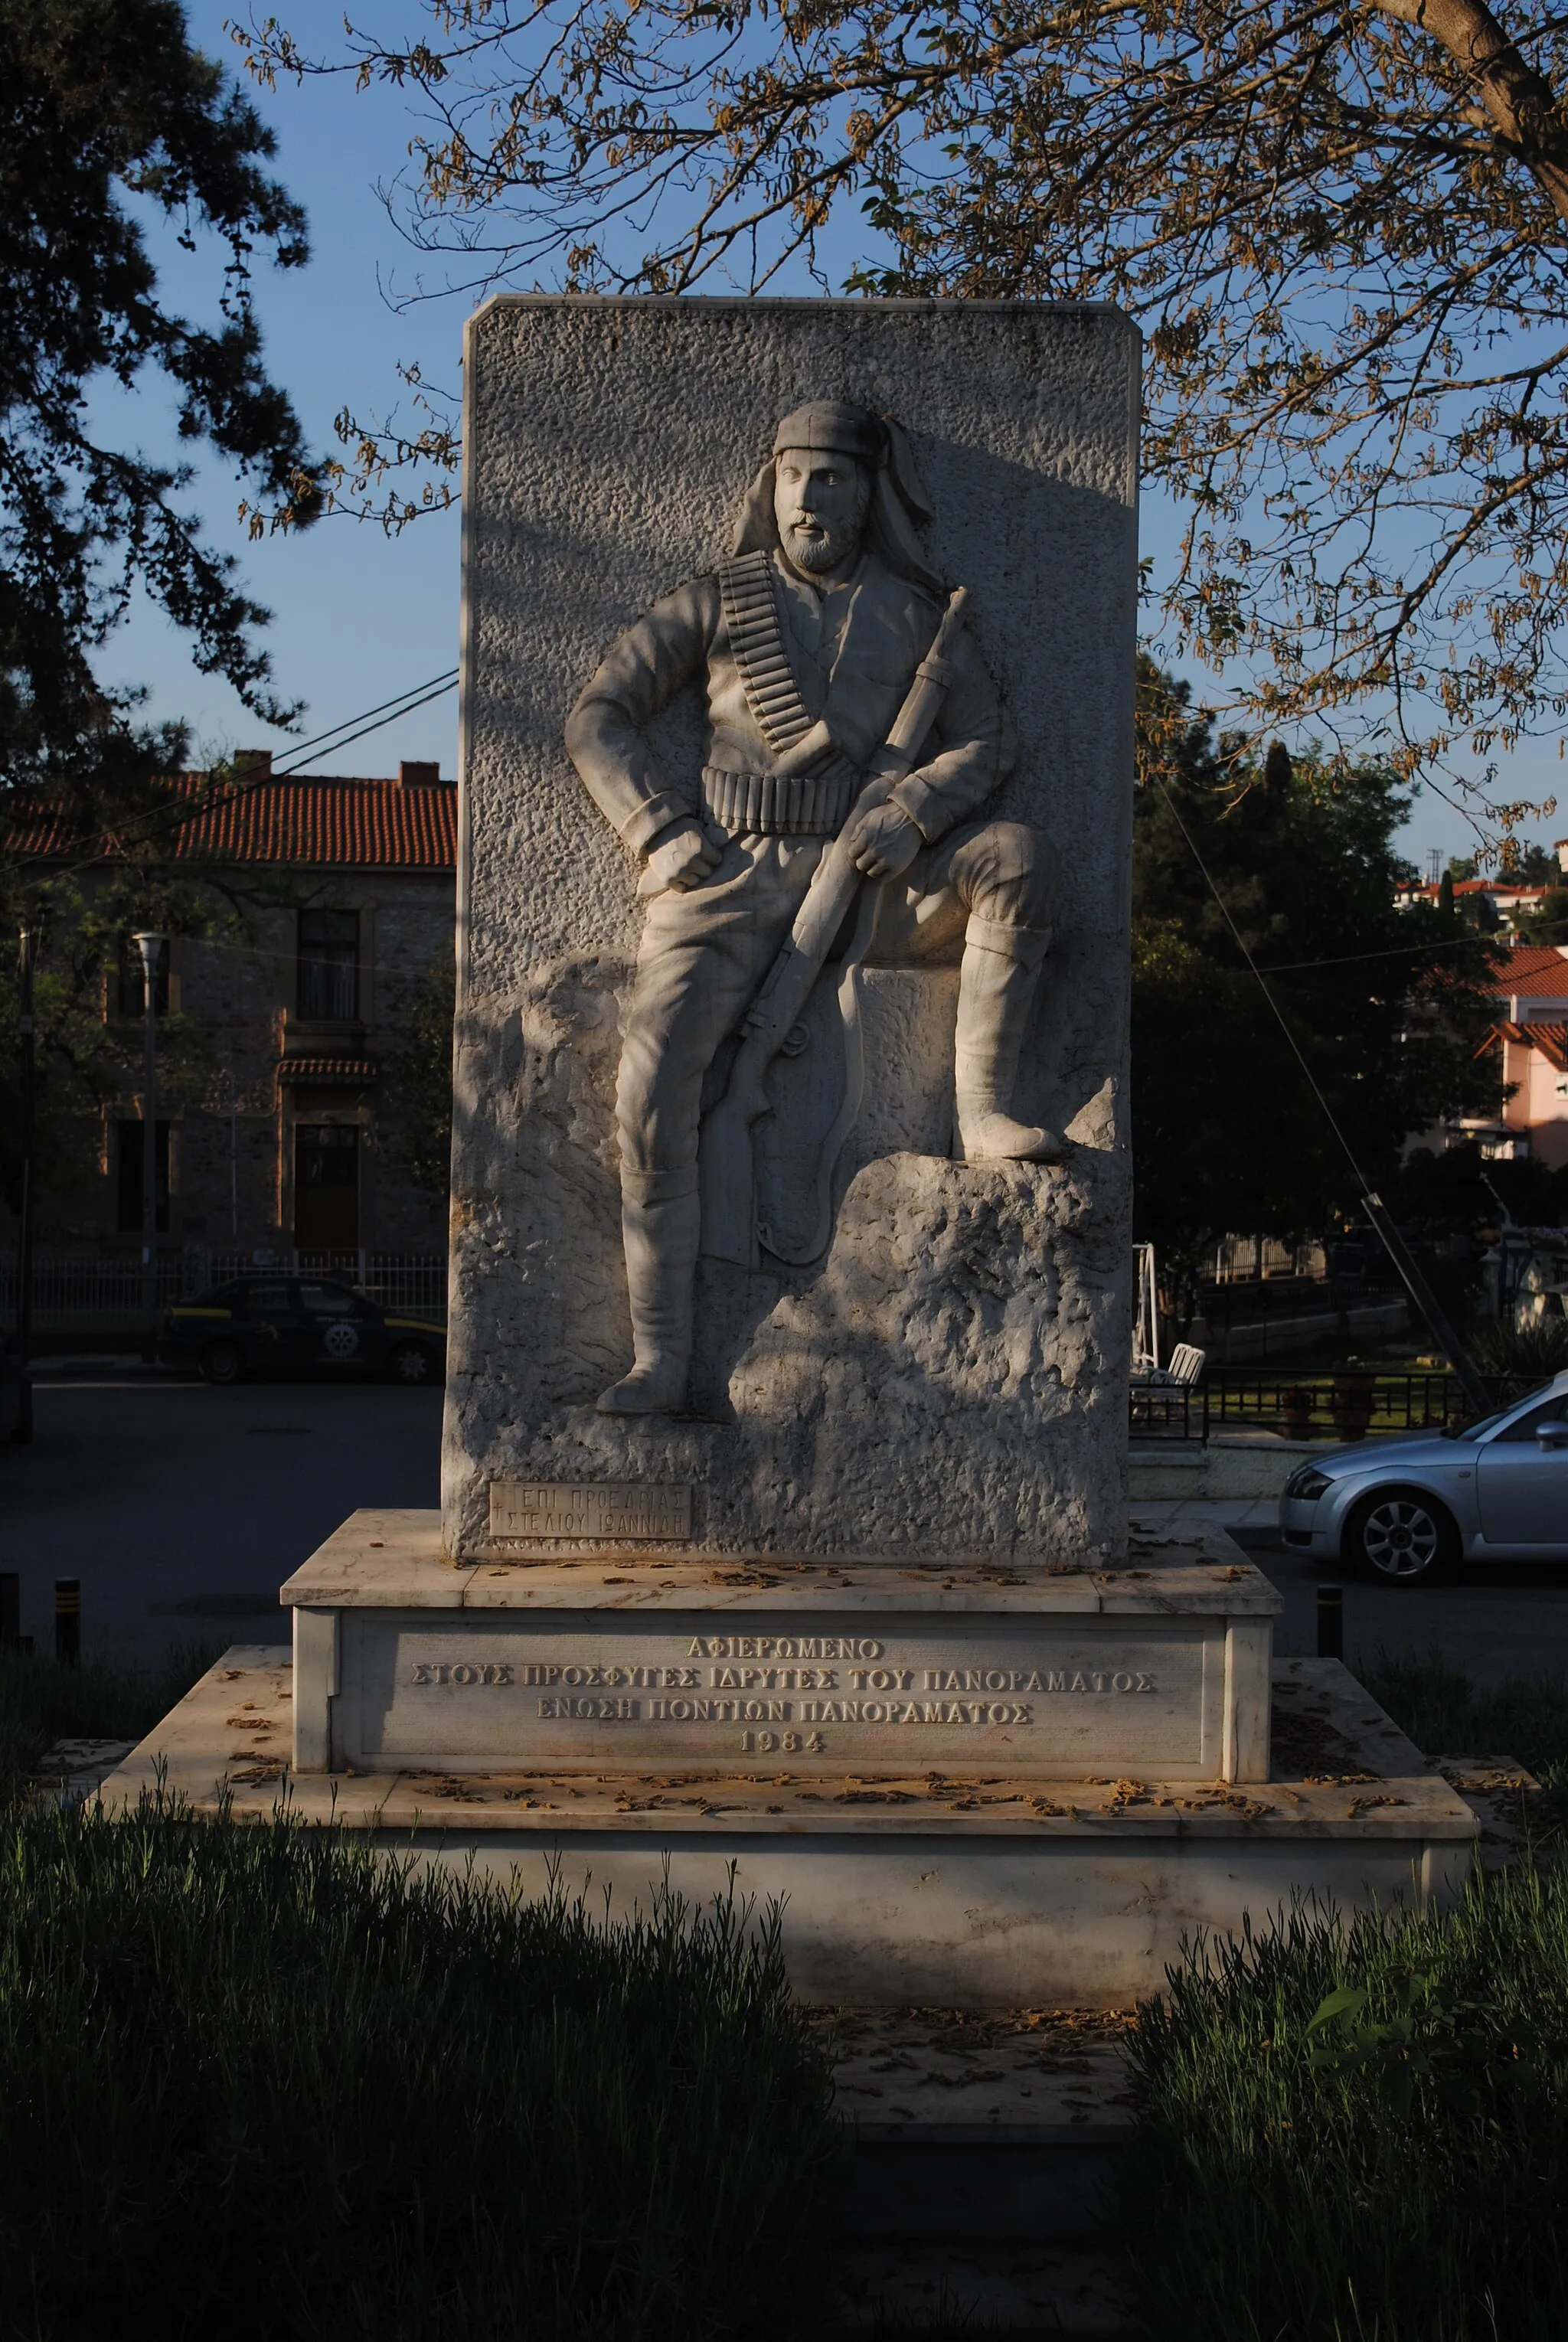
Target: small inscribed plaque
569,1516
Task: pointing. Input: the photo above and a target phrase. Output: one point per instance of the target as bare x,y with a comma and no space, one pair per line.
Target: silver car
1406,1509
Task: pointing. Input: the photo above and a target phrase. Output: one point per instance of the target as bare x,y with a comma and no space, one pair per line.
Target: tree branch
1518,100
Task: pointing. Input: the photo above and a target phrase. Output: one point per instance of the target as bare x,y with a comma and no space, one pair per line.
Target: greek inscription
1050,1679
437,1671
745,1682
613,1512
915,1711
606,1709
783,1646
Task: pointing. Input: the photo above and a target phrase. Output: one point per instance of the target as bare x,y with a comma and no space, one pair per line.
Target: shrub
1396,2170
1536,1350
258,2082
41,1703
1438,1705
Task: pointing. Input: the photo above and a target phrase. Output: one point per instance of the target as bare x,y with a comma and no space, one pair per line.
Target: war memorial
784,1533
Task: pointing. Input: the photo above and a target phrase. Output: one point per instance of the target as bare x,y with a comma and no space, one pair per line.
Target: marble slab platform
992,1891
627,1661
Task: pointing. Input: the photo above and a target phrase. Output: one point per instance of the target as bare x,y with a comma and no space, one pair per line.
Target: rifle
726,1172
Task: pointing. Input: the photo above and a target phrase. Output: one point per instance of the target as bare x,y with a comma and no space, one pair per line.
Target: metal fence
1336,1407
397,1280
90,1293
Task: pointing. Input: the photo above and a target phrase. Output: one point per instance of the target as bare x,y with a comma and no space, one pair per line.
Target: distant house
290,1132
1530,1040
1507,899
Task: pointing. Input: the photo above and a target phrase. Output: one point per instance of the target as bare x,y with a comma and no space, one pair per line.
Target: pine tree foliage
107,110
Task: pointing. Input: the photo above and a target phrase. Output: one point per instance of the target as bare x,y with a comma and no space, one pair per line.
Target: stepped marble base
938,1886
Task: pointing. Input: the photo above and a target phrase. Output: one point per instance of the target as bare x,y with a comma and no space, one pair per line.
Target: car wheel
410,1361
1400,1535
222,1363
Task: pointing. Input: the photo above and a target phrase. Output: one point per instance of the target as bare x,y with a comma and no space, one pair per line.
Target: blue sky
359,615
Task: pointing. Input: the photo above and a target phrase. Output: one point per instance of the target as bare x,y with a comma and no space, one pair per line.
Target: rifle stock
729,1218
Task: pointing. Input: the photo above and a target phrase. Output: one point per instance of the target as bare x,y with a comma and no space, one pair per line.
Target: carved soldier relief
854,739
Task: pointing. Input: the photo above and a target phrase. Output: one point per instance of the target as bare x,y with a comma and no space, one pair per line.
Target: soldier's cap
832,426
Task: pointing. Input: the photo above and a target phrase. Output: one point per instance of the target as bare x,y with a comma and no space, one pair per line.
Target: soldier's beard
820,548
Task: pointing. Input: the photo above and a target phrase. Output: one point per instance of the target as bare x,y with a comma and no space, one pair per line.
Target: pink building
1532,1037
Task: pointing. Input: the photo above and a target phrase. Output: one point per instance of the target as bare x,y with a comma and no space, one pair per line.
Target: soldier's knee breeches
1006,877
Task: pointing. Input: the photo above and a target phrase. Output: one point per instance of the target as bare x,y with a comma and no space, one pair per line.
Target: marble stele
789,1175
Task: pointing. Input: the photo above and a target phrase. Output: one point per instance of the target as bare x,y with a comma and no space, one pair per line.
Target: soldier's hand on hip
684,857
884,841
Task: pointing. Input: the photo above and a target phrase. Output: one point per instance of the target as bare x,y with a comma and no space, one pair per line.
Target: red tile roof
1551,1040
314,820
1533,970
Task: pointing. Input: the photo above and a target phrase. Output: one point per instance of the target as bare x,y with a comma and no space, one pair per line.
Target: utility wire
1397,951
404,707
179,811
1398,1250
434,687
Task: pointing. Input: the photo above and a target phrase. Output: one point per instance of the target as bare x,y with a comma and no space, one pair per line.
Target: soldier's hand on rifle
884,841
684,856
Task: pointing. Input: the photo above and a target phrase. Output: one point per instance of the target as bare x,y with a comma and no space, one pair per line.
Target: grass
41,1702
1398,2174
258,2082
1436,1703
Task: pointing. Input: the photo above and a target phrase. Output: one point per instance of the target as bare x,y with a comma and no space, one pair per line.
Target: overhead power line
437,683
178,811
377,723
1397,951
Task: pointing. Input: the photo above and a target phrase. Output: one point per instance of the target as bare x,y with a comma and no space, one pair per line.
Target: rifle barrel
728,1228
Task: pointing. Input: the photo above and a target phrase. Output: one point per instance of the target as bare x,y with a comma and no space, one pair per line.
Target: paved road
1493,1622
182,1509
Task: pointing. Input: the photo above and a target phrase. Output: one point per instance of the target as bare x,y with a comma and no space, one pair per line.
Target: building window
329,966
129,987
128,1177
326,1187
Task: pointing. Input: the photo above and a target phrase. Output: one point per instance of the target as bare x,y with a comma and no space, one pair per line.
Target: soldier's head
839,477
823,456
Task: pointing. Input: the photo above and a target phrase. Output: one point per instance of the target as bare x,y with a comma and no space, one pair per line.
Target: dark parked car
297,1325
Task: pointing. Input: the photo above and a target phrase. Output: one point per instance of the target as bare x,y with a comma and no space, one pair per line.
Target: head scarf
899,506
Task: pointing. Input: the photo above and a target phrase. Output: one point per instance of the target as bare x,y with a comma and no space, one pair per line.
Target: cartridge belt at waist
770,804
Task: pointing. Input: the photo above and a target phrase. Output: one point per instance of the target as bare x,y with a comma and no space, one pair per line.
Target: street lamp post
150,945
25,963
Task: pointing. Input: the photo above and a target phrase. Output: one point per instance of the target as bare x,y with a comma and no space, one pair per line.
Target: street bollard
10,1609
1331,1622
68,1621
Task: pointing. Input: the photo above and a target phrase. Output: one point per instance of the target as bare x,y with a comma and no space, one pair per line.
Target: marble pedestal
826,1667
973,1859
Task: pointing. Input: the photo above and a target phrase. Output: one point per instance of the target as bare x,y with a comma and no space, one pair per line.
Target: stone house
288,1125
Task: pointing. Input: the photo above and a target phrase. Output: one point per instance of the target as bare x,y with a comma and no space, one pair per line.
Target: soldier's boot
661,1242
995,988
